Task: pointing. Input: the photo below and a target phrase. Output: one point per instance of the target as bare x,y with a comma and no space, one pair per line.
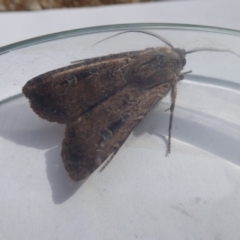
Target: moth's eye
184,61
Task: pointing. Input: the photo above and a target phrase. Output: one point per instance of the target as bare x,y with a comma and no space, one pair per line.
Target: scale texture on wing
65,94
94,136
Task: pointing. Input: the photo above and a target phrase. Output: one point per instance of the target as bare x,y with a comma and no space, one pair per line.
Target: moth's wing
64,94
94,136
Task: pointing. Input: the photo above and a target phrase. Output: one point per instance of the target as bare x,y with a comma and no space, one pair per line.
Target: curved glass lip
116,27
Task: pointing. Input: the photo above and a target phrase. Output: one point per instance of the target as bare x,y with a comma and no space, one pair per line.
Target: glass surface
193,193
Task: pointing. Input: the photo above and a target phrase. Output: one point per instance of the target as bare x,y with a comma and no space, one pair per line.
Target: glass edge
16,96
118,27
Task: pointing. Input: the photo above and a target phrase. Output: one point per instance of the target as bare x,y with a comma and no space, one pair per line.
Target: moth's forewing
65,94
92,138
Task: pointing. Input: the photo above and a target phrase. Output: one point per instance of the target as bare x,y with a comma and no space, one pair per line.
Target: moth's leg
123,78
182,75
173,100
120,69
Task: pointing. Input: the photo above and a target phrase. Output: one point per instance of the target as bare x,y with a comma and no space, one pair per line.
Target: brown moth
102,99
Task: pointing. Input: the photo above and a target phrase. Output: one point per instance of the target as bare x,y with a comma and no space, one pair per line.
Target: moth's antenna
139,31
211,50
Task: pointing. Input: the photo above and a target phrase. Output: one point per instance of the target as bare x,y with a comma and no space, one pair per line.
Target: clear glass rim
117,27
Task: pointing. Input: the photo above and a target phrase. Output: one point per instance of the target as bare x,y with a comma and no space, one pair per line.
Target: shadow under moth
102,99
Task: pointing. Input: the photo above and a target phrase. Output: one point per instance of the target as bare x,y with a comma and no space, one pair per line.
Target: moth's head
182,55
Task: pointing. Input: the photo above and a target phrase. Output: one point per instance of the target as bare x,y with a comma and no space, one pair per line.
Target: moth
102,99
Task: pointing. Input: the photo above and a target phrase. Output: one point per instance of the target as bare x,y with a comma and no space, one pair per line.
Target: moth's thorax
155,66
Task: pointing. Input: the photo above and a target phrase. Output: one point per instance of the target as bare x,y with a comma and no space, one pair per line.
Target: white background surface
17,26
